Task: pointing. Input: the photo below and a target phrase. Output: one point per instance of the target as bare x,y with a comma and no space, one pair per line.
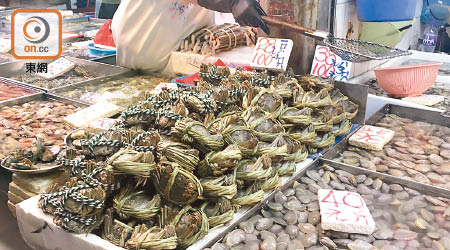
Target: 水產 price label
329,65
272,53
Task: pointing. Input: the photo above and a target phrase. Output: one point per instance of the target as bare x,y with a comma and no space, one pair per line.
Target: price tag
272,53
5,45
58,68
329,65
344,212
103,123
86,116
371,137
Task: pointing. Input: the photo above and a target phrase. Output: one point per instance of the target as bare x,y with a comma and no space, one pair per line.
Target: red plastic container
408,80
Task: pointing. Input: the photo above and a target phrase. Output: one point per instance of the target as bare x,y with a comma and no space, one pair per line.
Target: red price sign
342,210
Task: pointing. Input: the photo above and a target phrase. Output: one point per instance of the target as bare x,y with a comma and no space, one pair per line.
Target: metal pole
332,16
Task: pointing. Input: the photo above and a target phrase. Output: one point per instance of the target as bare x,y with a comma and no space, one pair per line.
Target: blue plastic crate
386,10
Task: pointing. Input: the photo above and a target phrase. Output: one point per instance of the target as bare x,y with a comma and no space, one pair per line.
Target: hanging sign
329,65
272,53
344,211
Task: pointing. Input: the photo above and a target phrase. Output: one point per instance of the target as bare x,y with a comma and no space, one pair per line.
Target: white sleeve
147,31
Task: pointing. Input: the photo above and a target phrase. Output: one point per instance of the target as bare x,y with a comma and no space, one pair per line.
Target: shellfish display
10,91
405,218
419,151
187,159
78,74
22,126
122,92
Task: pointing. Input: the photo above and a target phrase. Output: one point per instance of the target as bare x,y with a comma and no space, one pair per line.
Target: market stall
290,119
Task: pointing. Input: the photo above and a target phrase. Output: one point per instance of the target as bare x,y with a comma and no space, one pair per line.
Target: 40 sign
345,212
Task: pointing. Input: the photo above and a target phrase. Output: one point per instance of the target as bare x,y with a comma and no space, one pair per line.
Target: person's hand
249,12
245,12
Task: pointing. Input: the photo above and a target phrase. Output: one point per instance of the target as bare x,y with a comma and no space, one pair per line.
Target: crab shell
176,184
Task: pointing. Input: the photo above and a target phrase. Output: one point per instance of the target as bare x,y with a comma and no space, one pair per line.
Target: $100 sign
272,53
329,65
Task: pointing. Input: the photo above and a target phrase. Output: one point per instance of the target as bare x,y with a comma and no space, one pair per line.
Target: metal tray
90,23
34,171
96,81
21,85
106,59
415,114
61,90
100,70
422,188
39,97
43,97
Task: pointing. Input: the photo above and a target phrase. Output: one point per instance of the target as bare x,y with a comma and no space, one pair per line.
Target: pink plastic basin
408,80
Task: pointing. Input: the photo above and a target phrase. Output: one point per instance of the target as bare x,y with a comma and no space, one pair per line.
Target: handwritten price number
326,61
263,56
351,203
347,201
371,134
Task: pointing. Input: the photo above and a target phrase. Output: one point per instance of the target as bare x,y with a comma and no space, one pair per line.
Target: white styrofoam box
187,63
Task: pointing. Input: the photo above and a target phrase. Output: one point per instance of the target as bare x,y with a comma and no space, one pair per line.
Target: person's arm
245,12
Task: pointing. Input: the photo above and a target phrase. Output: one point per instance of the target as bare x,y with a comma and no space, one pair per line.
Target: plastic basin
99,51
386,10
407,80
386,33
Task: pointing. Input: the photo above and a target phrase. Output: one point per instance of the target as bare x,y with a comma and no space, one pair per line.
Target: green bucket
386,33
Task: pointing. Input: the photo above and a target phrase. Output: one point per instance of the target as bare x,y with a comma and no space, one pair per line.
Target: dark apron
107,10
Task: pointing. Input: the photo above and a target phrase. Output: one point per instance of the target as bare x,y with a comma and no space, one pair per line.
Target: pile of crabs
183,161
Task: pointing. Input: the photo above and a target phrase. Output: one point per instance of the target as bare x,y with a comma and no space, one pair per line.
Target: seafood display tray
415,114
422,188
106,59
85,23
21,85
98,81
43,97
99,70
39,97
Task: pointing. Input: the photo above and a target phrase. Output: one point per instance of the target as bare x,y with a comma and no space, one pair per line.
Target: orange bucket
407,80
